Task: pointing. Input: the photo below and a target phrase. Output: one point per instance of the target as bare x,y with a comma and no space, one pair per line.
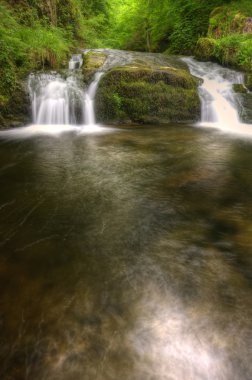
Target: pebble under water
126,255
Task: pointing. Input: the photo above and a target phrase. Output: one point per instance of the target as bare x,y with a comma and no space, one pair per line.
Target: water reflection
126,256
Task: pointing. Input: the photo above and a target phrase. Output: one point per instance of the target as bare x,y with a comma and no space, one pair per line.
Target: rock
16,111
246,109
247,29
239,88
205,49
142,93
248,81
92,61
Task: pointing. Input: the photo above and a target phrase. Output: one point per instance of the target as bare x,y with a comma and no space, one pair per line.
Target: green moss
239,88
248,81
235,50
168,75
92,61
224,21
230,33
246,109
137,94
15,109
205,48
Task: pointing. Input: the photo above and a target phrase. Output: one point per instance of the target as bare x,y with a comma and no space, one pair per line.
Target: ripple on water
126,256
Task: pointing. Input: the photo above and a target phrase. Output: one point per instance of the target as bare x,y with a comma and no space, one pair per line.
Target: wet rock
239,88
16,110
144,92
248,81
246,109
92,61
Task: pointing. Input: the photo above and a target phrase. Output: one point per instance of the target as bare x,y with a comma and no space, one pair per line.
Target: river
126,254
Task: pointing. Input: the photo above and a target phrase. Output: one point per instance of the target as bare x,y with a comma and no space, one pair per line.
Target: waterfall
55,100
75,62
89,114
59,101
219,103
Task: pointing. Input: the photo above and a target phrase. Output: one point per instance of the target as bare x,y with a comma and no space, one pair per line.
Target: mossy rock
205,49
139,94
225,21
239,88
16,110
248,81
246,109
92,61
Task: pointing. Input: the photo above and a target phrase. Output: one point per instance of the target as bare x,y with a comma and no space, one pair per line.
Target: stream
125,253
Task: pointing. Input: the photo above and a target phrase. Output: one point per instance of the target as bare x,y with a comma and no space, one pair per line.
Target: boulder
239,88
92,61
16,110
142,93
205,48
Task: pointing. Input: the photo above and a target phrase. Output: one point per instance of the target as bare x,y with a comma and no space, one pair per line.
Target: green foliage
36,34
230,33
155,25
229,19
235,50
205,48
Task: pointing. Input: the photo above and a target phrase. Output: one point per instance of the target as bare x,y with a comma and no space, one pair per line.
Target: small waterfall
59,101
219,103
55,100
89,113
75,62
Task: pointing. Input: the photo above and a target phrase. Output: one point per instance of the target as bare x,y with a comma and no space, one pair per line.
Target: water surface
126,255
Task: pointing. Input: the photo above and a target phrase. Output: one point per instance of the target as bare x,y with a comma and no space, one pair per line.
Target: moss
15,110
229,38
248,81
205,49
235,51
92,61
246,109
225,20
141,94
239,88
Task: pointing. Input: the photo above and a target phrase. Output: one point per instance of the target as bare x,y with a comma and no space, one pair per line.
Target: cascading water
89,114
55,100
219,103
59,101
75,62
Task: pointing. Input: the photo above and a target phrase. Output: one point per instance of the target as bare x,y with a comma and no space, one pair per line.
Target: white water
89,113
60,104
55,100
219,103
75,62
58,101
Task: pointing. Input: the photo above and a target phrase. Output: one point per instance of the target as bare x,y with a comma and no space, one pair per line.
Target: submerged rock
143,92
